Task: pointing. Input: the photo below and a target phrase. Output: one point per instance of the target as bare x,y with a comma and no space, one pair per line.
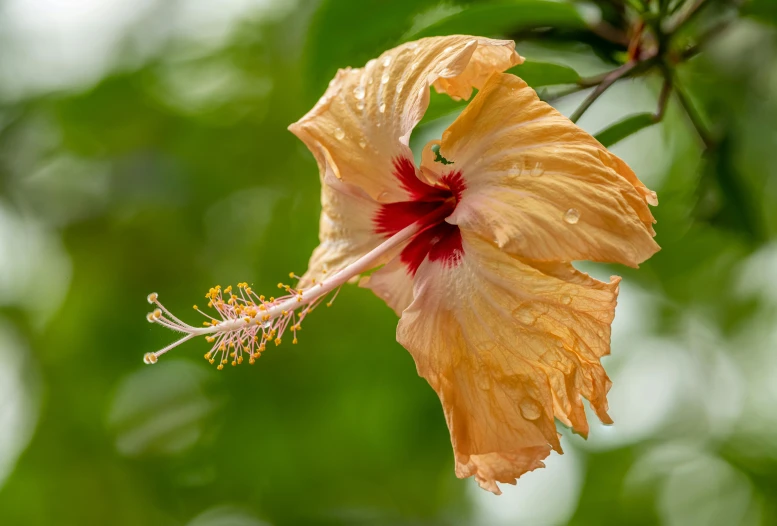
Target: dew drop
385,78
530,409
387,61
413,65
600,333
572,216
514,171
358,92
339,134
370,63
566,300
360,105
525,315
382,108
538,170
448,49
400,86
362,143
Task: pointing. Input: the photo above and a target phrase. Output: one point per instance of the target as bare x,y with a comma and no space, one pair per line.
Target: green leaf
441,105
505,17
622,129
762,10
537,74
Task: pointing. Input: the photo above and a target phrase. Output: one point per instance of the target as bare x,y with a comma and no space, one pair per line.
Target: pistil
248,322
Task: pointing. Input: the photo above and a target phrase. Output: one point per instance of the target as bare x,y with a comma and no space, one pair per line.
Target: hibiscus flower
472,249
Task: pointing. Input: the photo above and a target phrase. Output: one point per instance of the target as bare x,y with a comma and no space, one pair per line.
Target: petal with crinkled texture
539,186
508,345
346,229
393,284
364,120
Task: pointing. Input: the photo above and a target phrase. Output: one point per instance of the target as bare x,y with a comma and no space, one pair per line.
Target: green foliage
622,129
539,74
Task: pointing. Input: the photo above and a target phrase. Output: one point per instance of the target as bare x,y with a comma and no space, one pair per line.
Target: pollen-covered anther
152,297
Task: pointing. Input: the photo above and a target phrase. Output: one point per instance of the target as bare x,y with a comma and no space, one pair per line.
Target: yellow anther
195,307
299,299
294,341
207,356
234,363
285,312
329,304
248,290
291,274
280,285
232,354
150,317
277,341
251,361
261,298
272,299
222,347
224,361
210,304
206,323
240,359
152,297
220,367
157,313
211,360
313,280
150,358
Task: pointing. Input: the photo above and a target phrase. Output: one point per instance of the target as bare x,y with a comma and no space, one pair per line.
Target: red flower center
438,240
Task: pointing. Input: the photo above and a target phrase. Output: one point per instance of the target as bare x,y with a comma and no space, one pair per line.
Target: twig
686,17
695,118
663,98
608,81
704,39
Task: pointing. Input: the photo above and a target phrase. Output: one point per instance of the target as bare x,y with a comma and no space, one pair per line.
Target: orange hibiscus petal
539,186
508,345
364,120
393,284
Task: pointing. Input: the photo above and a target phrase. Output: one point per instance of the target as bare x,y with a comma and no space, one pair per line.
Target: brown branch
606,82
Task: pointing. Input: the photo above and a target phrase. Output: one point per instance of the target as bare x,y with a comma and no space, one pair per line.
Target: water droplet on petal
362,143
413,65
566,300
525,315
339,134
382,108
412,45
600,333
360,105
400,86
514,171
370,63
448,49
385,78
530,409
538,170
572,216
387,61
358,92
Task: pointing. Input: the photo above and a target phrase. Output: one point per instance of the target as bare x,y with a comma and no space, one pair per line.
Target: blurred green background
143,147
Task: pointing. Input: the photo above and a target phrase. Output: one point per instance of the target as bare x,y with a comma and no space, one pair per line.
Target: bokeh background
143,147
